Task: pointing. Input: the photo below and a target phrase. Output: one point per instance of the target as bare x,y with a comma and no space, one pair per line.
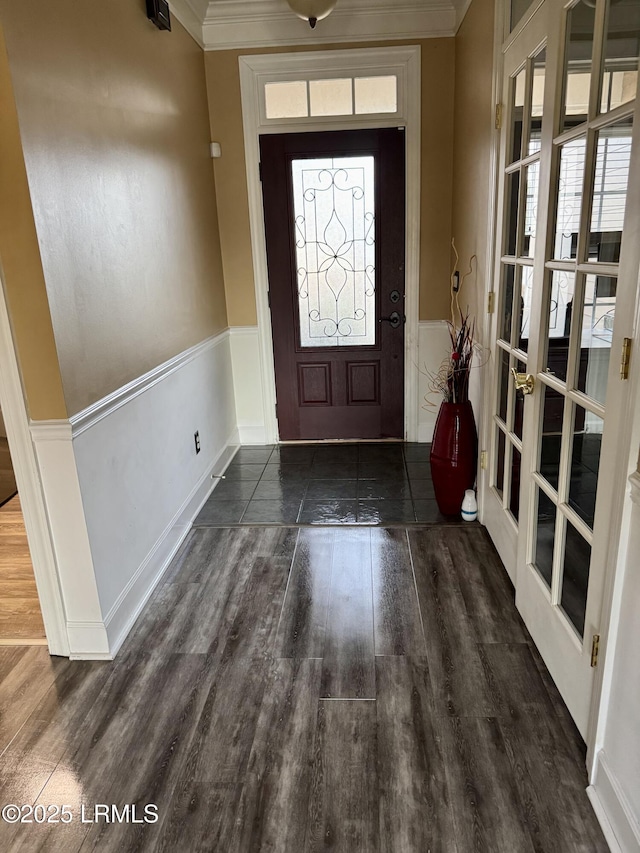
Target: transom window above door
333,96
336,88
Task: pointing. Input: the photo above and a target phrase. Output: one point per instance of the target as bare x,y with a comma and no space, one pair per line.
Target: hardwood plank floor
273,807
343,806
415,807
279,694
303,621
458,676
348,659
398,625
20,615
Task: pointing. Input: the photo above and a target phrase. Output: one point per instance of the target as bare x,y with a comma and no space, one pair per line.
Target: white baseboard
133,598
250,434
88,641
617,821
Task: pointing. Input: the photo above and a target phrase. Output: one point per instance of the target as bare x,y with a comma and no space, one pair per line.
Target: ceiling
222,24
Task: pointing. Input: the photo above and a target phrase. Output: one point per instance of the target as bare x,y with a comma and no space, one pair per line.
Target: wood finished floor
304,689
20,614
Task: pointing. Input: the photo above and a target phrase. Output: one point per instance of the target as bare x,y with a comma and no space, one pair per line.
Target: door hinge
595,649
626,358
483,460
498,121
260,172
491,302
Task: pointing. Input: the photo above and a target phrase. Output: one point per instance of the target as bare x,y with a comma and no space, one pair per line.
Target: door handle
394,319
523,381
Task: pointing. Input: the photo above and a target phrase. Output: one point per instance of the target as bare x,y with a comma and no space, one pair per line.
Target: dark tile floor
366,484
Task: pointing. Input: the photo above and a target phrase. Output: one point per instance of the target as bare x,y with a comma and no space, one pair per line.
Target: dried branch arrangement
451,382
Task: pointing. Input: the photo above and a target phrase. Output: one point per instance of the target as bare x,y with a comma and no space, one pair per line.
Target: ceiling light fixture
312,10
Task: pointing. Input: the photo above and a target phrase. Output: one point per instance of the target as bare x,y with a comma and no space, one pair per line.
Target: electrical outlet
196,438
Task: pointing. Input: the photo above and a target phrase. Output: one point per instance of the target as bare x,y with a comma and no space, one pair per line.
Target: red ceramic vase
454,455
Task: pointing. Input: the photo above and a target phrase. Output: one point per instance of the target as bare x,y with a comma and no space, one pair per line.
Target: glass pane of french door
518,250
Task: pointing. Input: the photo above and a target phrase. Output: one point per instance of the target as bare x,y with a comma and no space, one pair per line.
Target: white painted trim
58,430
413,104
486,423
247,388
617,821
131,601
634,482
242,331
32,499
88,641
181,9
107,405
252,434
247,23
433,347
252,71
84,629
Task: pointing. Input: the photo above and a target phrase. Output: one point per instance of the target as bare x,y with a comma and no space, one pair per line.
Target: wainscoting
122,483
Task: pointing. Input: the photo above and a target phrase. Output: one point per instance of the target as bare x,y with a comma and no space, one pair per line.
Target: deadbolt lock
523,381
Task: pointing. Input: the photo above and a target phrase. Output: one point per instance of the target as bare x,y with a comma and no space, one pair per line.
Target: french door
334,209
566,276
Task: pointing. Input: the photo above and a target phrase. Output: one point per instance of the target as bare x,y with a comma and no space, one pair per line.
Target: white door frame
29,484
254,70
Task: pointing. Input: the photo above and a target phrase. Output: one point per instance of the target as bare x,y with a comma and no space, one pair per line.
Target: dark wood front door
334,205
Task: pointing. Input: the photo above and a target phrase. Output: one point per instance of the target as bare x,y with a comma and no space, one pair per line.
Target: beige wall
437,164
472,149
22,270
114,121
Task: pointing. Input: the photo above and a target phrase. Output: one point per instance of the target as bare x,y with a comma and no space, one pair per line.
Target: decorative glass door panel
334,213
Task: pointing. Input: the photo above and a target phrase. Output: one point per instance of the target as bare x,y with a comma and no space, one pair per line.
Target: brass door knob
523,381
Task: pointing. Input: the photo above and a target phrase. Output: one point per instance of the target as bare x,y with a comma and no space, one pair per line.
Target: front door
334,206
566,272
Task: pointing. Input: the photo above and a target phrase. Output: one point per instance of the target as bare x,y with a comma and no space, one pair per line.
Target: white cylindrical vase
469,510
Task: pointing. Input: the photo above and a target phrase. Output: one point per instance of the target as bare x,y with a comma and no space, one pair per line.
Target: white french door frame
486,375
503,529
254,71
624,398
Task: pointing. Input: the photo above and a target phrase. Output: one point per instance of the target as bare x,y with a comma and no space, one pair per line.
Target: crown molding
268,23
184,12
229,24
462,7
